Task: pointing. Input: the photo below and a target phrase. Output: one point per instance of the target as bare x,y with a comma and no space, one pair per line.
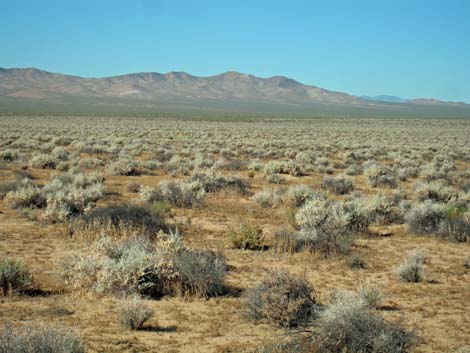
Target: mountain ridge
35,83
230,91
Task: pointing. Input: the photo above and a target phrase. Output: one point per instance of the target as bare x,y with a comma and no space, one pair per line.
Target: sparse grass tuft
134,314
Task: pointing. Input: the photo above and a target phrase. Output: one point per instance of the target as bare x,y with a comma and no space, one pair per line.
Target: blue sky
412,48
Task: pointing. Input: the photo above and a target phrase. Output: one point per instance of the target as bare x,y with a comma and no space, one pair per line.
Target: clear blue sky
409,48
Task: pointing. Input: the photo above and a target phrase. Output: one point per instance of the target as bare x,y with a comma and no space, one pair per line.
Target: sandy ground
438,308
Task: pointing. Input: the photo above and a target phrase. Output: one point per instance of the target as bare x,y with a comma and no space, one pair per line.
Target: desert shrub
378,175
229,164
216,182
119,220
465,349
63,166
281,300
89,163
247,237
60,153
151,164
371,295
412,268
439,168
339,185
347,326
283,167
455,224
135,266
353,169
268,198
26,195
142,267
42,161
384,209
133,187
297,195
436,191
72,194
182,194
123,166
425,218
287,240
8,155
200,273
324,226
134,314
39,339
356,262
357,212
449,221
148,194
7,187
14,276
275,178
177,165
255,166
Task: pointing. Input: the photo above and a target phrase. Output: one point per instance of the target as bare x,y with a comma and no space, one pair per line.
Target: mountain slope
33,91
35,83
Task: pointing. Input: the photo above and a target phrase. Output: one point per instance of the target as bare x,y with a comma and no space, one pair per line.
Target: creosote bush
39,339
281,300
134,314
14,276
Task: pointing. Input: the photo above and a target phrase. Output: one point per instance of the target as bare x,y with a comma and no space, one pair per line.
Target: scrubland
262,235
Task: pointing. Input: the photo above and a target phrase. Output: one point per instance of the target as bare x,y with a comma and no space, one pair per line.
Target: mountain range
230,92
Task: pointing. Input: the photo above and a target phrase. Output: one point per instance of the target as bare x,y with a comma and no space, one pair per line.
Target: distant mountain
385,98
31,90
34,83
